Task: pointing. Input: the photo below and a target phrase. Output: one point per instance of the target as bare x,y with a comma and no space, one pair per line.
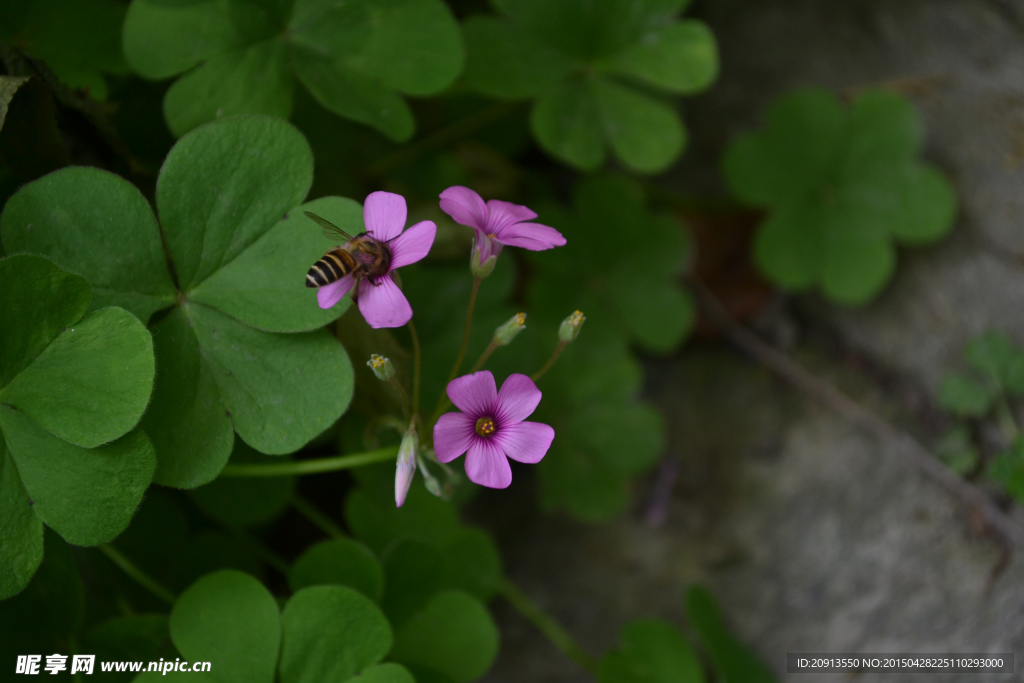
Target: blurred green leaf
331,633
245,501
81,47
653,651
453,634
956,449
731,661
248,56
839,186
680,57
1007,469
385,673
340,562
964,397
570,56
139,637
230,620
991,354
48,613
507,62
413,573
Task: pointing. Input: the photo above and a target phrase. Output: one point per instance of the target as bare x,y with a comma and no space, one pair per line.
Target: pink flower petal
474,394
452,435
464,206
526,441
328,295
532,236
503,214
413,244
383,304
384,214
517,400
487,465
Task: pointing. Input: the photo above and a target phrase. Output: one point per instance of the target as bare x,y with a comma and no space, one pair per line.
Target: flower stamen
485,426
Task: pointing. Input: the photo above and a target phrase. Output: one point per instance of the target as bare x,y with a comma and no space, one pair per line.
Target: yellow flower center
485,426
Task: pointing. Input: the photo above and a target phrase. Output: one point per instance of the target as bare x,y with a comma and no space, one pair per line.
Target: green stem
438,139
300,467
317,518
1007,423
404,396
442,400
140,577
465,330
484,356
416,364
551,629
551,361
261,550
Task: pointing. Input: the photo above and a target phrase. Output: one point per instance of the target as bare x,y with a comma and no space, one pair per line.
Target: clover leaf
637,289
1007,469
229,619
588,67
653,651
244,56
218,280
1000,365
72,386
840,186
324,633
730,659
80,40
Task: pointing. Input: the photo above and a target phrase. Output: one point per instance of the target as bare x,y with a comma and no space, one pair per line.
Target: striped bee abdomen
331,267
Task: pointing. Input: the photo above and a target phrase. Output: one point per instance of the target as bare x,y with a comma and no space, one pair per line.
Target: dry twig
910,448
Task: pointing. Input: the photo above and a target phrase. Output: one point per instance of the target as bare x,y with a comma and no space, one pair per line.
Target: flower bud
484,256
508,331
381,367
570,327
405,468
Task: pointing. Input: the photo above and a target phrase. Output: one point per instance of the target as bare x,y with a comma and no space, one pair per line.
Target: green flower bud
570,327
405,467
381,367
508,331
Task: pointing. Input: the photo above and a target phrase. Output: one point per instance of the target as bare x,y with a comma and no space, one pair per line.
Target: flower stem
260,549
416,363
442,400
551,361
140,577
404,396
465,331
317,518
484,356
551,629
299,467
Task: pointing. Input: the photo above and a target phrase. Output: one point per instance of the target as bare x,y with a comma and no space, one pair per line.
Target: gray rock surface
812,535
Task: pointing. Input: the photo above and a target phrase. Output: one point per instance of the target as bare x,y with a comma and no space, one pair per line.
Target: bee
362,255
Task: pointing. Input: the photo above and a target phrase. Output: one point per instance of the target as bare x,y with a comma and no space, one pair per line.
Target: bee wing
330,229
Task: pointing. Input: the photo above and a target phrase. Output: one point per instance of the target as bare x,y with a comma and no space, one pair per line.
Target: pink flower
380,300
490,427
497,224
